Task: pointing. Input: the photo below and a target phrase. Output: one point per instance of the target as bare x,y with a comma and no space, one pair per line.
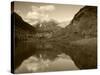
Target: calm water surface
44,56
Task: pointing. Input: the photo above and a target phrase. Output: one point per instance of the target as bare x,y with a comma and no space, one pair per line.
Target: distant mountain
21,28
50,27
83,25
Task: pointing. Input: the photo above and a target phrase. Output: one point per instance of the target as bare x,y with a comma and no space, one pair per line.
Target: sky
33,12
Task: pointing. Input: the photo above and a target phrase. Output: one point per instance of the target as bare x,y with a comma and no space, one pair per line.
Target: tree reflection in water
35,64
53,56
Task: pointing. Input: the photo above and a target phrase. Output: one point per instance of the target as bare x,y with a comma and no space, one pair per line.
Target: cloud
47,8
40,13
34,15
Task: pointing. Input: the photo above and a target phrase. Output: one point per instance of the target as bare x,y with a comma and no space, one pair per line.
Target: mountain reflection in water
34,64
51,56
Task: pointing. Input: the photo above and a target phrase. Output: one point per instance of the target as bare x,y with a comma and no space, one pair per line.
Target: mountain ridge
22,28
83,25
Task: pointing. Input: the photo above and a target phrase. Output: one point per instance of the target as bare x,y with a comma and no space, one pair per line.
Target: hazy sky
30,11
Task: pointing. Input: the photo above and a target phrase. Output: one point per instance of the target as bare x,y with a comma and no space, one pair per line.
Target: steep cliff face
21,28
84,24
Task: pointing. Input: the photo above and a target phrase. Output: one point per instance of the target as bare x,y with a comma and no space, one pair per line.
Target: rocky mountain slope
21,28
83,25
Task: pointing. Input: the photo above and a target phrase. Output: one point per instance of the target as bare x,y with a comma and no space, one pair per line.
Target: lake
45,56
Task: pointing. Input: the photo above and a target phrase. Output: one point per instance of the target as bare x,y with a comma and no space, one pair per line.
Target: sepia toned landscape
53,37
